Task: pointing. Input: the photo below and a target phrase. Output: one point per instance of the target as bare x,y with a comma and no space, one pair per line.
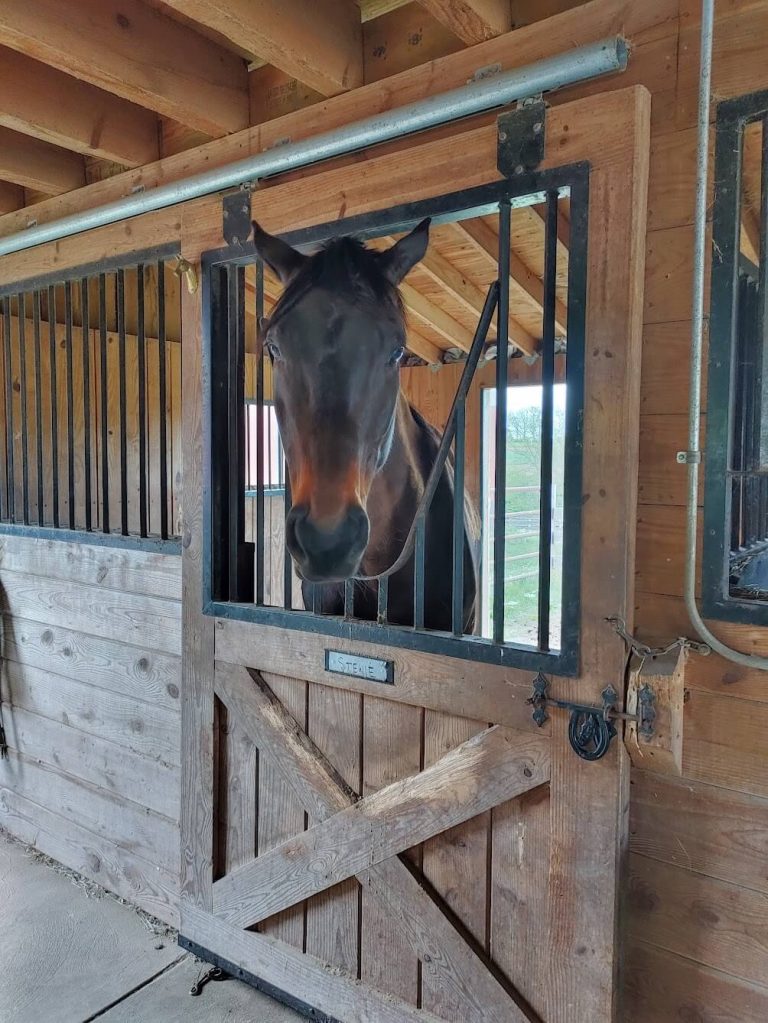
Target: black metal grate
247,579
86,411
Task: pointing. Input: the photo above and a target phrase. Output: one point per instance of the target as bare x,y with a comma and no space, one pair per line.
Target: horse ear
277,254
405,254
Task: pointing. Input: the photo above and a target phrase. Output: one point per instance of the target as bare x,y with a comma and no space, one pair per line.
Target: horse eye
396,356
272,350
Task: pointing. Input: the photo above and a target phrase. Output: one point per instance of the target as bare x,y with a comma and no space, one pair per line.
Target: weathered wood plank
114,865
455,862
146,834
150,731
141,572
137,619
724,742
281,814
88,757
700,827
391,751
326,988
333,914
420,679
660,987
197,732
146,675
721,925
489,768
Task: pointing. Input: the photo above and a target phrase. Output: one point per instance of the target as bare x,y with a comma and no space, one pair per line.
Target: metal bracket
236,216
590,728
520,139
688,457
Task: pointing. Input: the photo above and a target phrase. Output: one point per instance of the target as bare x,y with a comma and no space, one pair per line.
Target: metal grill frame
732,118
69,279
223,501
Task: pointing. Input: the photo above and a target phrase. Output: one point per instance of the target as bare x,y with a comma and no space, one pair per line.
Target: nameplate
369,668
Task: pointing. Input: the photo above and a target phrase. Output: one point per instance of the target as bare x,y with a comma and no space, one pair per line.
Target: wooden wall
91,641
696,924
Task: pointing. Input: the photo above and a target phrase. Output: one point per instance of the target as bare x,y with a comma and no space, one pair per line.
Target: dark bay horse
358,454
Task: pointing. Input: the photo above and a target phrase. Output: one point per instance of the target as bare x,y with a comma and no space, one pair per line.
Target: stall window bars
248,573
735,540
88,378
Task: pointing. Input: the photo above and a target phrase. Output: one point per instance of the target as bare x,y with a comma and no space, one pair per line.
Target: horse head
336,338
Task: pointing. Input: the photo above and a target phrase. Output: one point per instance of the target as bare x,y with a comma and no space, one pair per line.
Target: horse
358,454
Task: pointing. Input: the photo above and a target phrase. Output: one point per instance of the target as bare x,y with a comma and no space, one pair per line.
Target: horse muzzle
327,553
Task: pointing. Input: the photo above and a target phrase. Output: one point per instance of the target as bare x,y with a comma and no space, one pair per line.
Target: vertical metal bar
383,600
142,370
70,405
86,325
122,402
287,564
349,598
260,410
22,315
54,404
38,409
762,292
236,429
500,468
162,399
11,503
418,573
103,403
547,419
458,522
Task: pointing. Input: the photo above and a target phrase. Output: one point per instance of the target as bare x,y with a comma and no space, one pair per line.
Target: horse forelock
343,266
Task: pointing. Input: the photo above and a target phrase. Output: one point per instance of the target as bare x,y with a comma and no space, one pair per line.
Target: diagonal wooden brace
363,837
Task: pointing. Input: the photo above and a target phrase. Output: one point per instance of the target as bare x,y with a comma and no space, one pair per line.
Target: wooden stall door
422,851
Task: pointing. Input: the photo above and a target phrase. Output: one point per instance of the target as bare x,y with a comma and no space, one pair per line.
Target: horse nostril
327,552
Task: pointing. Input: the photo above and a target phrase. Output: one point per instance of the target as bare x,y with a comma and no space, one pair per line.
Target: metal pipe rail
577,65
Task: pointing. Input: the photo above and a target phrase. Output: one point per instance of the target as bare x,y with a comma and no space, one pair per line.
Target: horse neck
395,493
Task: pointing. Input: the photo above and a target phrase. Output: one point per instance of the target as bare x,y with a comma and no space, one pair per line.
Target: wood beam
317,41
11,197
523,280
39,165
750,237
370,9
473,21
445,274
41,101
135,52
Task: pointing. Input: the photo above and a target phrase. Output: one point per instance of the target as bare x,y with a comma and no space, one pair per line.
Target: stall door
388,823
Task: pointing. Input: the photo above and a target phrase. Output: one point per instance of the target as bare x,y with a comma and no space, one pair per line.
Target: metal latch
590,728
520,138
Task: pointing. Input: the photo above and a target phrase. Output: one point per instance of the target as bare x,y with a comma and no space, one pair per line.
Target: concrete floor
67,957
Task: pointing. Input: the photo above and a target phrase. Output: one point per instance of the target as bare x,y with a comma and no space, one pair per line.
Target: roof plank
319,42
11,197
39,100
135,52
473,21
34,164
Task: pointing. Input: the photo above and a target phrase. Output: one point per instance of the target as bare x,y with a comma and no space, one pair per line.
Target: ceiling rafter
11,197
523,280
34,164
133,51
319,42
42,101
473,21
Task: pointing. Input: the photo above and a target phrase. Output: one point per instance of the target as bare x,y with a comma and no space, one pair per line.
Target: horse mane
342,266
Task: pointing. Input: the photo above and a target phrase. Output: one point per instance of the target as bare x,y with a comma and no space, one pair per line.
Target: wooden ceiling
91,88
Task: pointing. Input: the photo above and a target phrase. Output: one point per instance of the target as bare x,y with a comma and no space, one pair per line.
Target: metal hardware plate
236,216
520,145
370,668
